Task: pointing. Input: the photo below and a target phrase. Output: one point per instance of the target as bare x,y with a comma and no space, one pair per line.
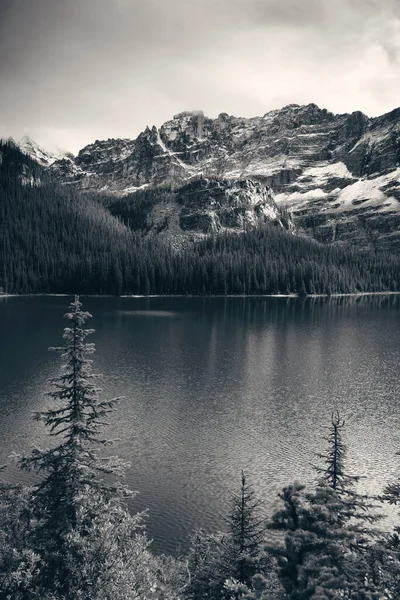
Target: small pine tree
333,473
262,588
391,492
87,543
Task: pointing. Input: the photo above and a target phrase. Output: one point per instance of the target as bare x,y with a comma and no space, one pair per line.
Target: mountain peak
189,113
44,157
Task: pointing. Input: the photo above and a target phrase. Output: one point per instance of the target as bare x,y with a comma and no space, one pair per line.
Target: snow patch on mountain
370,192
299,199
326,171
132,189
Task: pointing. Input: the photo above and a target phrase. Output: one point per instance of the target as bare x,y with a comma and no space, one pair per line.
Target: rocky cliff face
201,207
338,175
210,206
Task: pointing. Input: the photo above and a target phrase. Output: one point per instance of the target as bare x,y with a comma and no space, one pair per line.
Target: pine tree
88,544
357,508
314,559
391,495
243,552
333,474
206,578
356,511
17,560
391,492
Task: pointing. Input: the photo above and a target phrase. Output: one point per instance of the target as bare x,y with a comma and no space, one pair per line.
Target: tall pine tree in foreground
87,544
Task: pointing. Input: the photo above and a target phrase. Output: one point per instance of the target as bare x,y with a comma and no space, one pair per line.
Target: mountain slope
56,239
338,175
53,239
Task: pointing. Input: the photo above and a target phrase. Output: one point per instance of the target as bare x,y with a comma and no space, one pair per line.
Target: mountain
337,175
44,157
56,238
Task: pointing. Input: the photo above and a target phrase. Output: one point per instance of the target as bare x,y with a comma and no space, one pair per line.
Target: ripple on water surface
214,386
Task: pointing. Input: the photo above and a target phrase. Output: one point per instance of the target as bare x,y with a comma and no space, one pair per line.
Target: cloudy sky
72,71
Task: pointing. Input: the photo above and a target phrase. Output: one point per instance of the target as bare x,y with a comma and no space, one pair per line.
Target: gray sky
72,71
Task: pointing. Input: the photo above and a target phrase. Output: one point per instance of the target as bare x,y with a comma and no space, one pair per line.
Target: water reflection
214,385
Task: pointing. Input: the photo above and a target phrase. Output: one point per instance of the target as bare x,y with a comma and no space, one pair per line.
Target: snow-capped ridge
320,165
44,157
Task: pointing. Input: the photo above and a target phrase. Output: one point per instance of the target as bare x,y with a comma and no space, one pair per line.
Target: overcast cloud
72,71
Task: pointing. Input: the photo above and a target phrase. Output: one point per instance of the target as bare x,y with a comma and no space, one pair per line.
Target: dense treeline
133,209
55,240
71,537
270,261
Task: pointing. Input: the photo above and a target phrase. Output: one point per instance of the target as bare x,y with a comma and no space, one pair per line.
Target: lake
212,386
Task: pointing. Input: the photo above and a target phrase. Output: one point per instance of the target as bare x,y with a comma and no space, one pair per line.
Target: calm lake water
214,386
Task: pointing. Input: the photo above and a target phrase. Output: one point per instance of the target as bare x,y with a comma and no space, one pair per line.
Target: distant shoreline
353,295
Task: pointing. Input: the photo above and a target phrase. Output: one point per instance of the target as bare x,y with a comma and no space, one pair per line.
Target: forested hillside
56,240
